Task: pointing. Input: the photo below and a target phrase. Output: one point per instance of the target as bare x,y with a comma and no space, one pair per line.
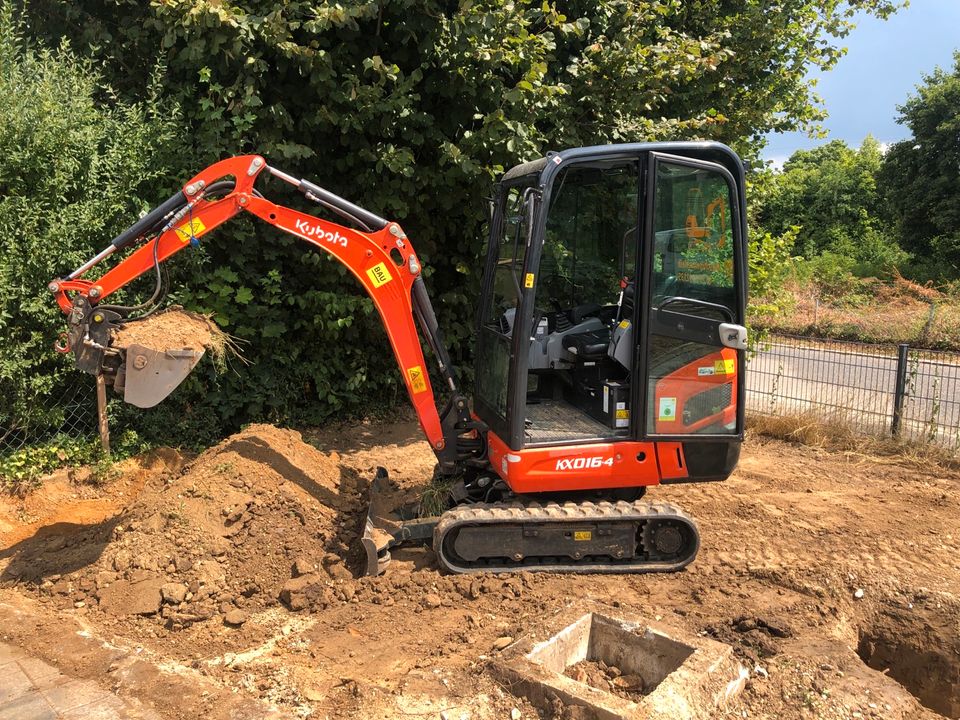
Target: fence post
900,390
102,422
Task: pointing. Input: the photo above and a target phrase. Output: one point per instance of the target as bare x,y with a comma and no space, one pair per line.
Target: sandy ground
834,576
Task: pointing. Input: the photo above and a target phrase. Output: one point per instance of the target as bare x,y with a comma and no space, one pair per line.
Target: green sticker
668,409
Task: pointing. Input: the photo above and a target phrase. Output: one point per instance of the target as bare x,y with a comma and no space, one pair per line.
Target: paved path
30,689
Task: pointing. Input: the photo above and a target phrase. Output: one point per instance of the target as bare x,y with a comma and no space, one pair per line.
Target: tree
920,178
830,193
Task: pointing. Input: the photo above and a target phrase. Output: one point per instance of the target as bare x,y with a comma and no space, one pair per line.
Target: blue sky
886,60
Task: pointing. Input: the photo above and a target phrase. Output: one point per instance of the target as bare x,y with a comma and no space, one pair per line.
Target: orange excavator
601,368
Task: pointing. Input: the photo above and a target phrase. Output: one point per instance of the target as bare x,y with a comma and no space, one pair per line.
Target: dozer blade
390,522
148,376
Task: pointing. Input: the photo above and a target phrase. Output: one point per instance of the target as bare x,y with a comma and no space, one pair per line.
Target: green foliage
770,264
76,165
830,194
920,179
20,470
411,109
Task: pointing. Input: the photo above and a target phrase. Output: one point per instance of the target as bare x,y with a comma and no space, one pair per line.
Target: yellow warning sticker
379,275
725,367
583,535
623,414
190,229
528,280
624,324
417,381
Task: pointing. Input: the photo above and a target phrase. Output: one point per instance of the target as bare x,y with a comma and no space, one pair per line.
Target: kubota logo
317,232
584,463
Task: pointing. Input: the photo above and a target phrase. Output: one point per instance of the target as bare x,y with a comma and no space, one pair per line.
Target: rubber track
574,513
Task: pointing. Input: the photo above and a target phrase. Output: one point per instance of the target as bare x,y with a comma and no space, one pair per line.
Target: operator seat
588,346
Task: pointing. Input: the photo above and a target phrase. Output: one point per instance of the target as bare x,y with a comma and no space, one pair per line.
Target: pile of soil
173,328
262,517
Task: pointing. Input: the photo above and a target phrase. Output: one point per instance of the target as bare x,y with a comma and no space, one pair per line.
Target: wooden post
102,415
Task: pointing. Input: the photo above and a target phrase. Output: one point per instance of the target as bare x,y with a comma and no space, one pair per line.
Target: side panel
595,466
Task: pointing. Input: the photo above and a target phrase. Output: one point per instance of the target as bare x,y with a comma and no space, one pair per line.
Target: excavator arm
379,256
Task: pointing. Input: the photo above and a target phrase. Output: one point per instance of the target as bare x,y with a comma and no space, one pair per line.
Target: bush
76,165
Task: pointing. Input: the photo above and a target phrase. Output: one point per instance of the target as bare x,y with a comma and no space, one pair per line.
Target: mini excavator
609,354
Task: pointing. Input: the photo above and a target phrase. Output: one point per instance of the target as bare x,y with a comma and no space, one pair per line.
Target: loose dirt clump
173,328
219,541
609,678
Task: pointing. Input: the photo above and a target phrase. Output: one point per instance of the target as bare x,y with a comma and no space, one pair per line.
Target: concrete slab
683,676
30,706
13,683
73,694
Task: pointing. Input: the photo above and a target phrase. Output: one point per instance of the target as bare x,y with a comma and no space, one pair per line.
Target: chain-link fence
70,411
892,390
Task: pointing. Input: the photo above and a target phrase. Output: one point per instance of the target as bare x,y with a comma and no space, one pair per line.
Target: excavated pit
918,651
618,668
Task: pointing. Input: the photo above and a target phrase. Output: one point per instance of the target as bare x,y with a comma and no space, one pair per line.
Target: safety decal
725,367
580,535
379,275
706,371
190,229
624,324
417,381
668,409
528,280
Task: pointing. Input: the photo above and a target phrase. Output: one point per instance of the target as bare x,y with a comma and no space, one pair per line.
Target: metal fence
901,391
71,411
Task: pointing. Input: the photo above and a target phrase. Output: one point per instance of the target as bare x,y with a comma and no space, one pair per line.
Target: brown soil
598,674
833,575
173,328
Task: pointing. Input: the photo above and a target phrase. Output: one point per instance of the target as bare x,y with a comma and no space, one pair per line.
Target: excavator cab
611,335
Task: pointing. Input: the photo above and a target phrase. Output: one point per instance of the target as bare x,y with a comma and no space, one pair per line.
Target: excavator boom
379,255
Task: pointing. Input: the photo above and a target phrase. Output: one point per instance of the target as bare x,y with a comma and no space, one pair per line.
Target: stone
501,642
305,591
132,598
173,593
302,566
235,617
432,600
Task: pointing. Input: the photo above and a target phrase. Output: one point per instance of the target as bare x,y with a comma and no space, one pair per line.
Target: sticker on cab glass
379,275
417,381
190,229
528,280
668,409
725,367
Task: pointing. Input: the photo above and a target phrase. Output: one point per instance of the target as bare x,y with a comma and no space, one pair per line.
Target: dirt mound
221,539
173,328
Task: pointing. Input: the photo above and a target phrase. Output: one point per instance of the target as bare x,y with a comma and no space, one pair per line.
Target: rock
633,683
339,571
515,714
432,600
859,593
132,598
235,617
302,566
501,642
173,593
122,560
304,591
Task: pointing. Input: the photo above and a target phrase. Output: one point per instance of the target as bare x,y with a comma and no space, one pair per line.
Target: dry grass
839,435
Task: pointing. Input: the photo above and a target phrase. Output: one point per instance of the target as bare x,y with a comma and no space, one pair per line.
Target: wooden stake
102,415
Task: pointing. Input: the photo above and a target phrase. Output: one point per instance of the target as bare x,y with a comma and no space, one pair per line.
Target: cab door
693,341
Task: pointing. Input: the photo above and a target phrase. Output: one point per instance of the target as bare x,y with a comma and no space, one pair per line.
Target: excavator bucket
390,521
148,375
